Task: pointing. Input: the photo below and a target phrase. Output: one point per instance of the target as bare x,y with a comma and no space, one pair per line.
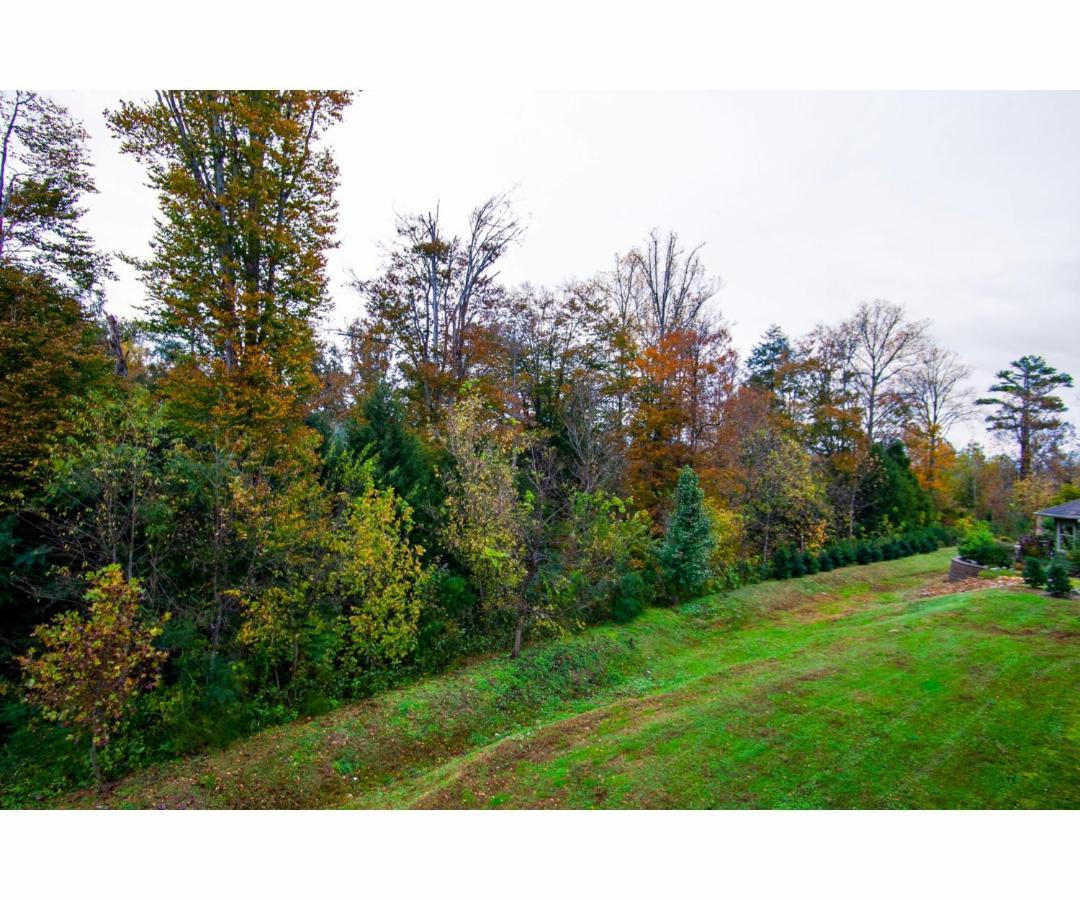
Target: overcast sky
963,207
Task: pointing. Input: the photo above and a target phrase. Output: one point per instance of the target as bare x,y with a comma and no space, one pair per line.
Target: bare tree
886,346
435,289
936,398
597,448
675,283
623,290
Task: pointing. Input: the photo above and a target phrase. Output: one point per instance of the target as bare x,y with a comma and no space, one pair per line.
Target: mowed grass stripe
836,690
879,722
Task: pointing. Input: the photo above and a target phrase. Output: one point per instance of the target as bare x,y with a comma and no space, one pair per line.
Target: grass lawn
837,690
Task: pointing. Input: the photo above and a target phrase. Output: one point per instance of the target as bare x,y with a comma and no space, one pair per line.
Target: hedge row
791,563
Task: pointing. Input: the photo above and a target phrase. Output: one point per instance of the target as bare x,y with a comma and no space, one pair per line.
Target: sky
962,207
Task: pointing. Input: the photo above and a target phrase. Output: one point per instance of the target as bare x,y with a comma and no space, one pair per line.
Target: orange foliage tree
681,386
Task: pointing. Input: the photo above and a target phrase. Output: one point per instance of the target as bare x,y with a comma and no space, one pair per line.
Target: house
1066,524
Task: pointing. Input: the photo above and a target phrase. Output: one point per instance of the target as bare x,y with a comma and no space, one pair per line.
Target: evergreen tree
1034,572
688,541
401,460
767,357
891,497
781,563
1057,577
1026,406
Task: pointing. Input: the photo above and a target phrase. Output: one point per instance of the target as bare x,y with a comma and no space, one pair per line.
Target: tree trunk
518,630
116,346
99,779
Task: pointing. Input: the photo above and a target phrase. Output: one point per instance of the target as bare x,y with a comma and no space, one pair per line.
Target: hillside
838,690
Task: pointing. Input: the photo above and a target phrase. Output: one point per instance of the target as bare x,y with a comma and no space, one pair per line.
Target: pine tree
1057,577
688,540
1034,571
1027,408
781,564
767,358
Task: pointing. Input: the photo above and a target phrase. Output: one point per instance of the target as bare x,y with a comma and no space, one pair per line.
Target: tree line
221,515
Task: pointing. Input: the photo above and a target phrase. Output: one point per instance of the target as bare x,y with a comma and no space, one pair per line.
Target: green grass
837,690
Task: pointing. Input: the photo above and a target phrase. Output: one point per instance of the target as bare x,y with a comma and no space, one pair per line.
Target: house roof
1070,510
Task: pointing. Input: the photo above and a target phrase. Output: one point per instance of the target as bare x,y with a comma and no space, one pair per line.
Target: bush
812,563
1057,578
798,564
629,598
825,561
1034,572
1034,545
781,564
863,553
980,546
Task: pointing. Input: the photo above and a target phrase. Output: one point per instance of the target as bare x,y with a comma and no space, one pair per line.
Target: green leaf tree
487,520
44,175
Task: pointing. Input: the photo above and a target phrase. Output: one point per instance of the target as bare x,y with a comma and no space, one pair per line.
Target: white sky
964,207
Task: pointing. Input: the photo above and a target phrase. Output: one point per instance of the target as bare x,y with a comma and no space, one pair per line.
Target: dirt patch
1054,634
943,586
497,770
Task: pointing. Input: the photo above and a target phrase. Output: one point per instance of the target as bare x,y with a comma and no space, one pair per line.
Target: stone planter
959,569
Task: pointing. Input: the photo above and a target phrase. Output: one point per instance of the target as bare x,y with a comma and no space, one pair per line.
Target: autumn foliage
224,513
92,667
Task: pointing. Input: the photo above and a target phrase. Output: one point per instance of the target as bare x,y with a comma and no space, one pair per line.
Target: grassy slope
837,690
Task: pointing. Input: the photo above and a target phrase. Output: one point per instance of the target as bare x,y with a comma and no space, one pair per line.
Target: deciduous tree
885,346
44,176
92,667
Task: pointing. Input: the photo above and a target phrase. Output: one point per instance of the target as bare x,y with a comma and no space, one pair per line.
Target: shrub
980,546
812,563
1057,578
1034,571
91,669
825,561
781,564
798,564
629,598
863,553
1034,545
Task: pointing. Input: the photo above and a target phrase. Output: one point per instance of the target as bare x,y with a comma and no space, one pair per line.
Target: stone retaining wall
959,569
